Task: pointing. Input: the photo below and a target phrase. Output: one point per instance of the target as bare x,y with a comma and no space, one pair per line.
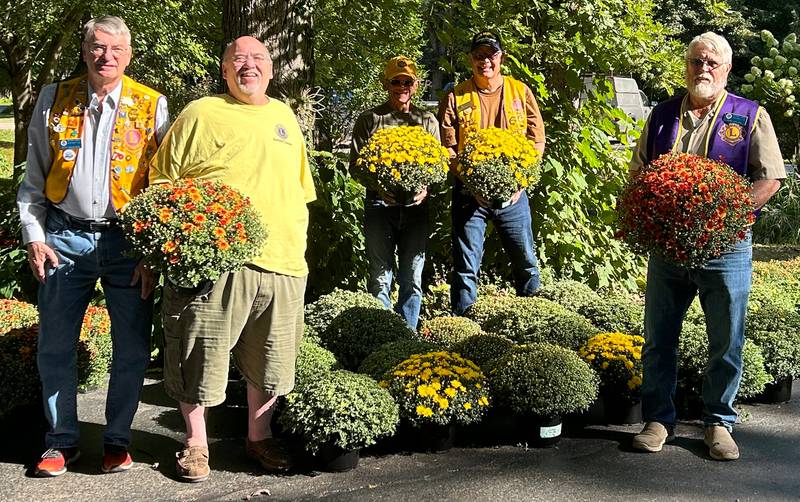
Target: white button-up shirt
89,192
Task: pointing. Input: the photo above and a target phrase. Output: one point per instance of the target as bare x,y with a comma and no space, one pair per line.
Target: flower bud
755,61
788,113
773,52
747,89
791,38
756,71
780,60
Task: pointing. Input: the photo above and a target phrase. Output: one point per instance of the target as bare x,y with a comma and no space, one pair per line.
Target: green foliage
336,251
445,331
776,282
319,314
436,300
776,331
94,348
343,409
774,80
6,153
483,349
313,362
352,42
533,319
543,379
389,355
358,331
693,358
570,294
16,280
779,222
616,312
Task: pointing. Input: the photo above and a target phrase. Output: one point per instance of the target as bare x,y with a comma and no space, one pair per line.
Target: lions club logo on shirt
281,134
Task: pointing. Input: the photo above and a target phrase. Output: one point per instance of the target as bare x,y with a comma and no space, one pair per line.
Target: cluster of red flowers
686,208
194,229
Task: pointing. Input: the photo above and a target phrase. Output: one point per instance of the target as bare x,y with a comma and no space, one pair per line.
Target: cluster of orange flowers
193,229
687,208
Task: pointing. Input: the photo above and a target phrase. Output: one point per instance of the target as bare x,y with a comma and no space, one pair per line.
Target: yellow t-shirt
260,151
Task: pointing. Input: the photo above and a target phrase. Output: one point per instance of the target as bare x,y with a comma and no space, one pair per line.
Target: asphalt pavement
593,463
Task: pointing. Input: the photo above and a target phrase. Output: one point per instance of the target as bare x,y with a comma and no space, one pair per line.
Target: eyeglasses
116,50
700,63
405,83
242,58
481,56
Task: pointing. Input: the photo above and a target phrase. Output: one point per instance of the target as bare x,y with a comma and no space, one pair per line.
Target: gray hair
112,25
716,43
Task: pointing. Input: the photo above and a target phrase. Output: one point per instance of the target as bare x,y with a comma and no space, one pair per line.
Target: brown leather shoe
271,453
652,437
721,445
191,464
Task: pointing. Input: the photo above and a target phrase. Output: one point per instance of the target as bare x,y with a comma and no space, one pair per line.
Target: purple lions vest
728,139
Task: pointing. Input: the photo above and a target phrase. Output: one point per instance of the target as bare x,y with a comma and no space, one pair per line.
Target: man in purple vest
711,122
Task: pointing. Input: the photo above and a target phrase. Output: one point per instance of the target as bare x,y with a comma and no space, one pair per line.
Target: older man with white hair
711,122
90,142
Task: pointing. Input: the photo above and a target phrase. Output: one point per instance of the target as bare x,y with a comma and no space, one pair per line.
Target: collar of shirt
111,99
690,118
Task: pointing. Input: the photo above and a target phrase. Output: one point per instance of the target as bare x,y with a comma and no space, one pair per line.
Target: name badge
69,144
735,118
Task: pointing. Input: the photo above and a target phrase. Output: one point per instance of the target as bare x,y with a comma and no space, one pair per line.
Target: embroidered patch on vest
731,133
734,118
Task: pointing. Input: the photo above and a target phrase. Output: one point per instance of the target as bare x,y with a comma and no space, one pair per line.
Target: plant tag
550,432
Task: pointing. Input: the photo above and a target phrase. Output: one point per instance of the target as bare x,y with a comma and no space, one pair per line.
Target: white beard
704,90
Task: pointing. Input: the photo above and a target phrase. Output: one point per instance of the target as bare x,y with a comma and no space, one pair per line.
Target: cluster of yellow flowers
616,356
439,386
496,163
403,158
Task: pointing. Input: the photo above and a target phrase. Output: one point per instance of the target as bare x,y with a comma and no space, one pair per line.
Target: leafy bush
777,332
319,314
778,223
617,359
777,282
343,409
693,358
543,379
533,319
445,331
94,348
570,294
436,301
616,313
389,355
483,349
16,314
440,388
313,362
486,306
358,331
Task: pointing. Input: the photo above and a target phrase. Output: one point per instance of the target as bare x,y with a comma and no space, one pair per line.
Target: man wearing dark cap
489,99
388,225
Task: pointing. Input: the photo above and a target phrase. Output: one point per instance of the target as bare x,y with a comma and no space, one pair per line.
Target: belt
88,225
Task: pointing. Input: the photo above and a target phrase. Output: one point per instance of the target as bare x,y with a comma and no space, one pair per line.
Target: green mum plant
543,379
313,362
616,313
445,331
617,359
438,388
319,314
344,409
537,320
358,331
483,349
389,355
570,294
776,331
693,358
15,314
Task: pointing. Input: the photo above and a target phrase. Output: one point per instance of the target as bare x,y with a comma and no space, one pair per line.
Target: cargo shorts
253,314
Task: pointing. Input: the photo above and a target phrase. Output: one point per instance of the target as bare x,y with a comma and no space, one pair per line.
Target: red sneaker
54,462
116,460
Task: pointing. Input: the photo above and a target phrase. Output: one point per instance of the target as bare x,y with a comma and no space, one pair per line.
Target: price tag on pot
550,432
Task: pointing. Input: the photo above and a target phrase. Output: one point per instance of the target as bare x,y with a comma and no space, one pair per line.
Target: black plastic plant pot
545,431
435,438
331,458
776,392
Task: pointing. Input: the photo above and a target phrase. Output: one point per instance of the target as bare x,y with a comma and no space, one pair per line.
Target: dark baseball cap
487,38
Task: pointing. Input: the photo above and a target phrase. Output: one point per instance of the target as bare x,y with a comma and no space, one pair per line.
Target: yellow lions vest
468,108
133,142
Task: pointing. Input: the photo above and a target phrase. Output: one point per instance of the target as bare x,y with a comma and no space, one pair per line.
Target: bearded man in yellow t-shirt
254,144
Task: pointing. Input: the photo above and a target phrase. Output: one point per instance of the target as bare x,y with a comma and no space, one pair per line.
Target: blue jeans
724,287
404,229
85,257
513,224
